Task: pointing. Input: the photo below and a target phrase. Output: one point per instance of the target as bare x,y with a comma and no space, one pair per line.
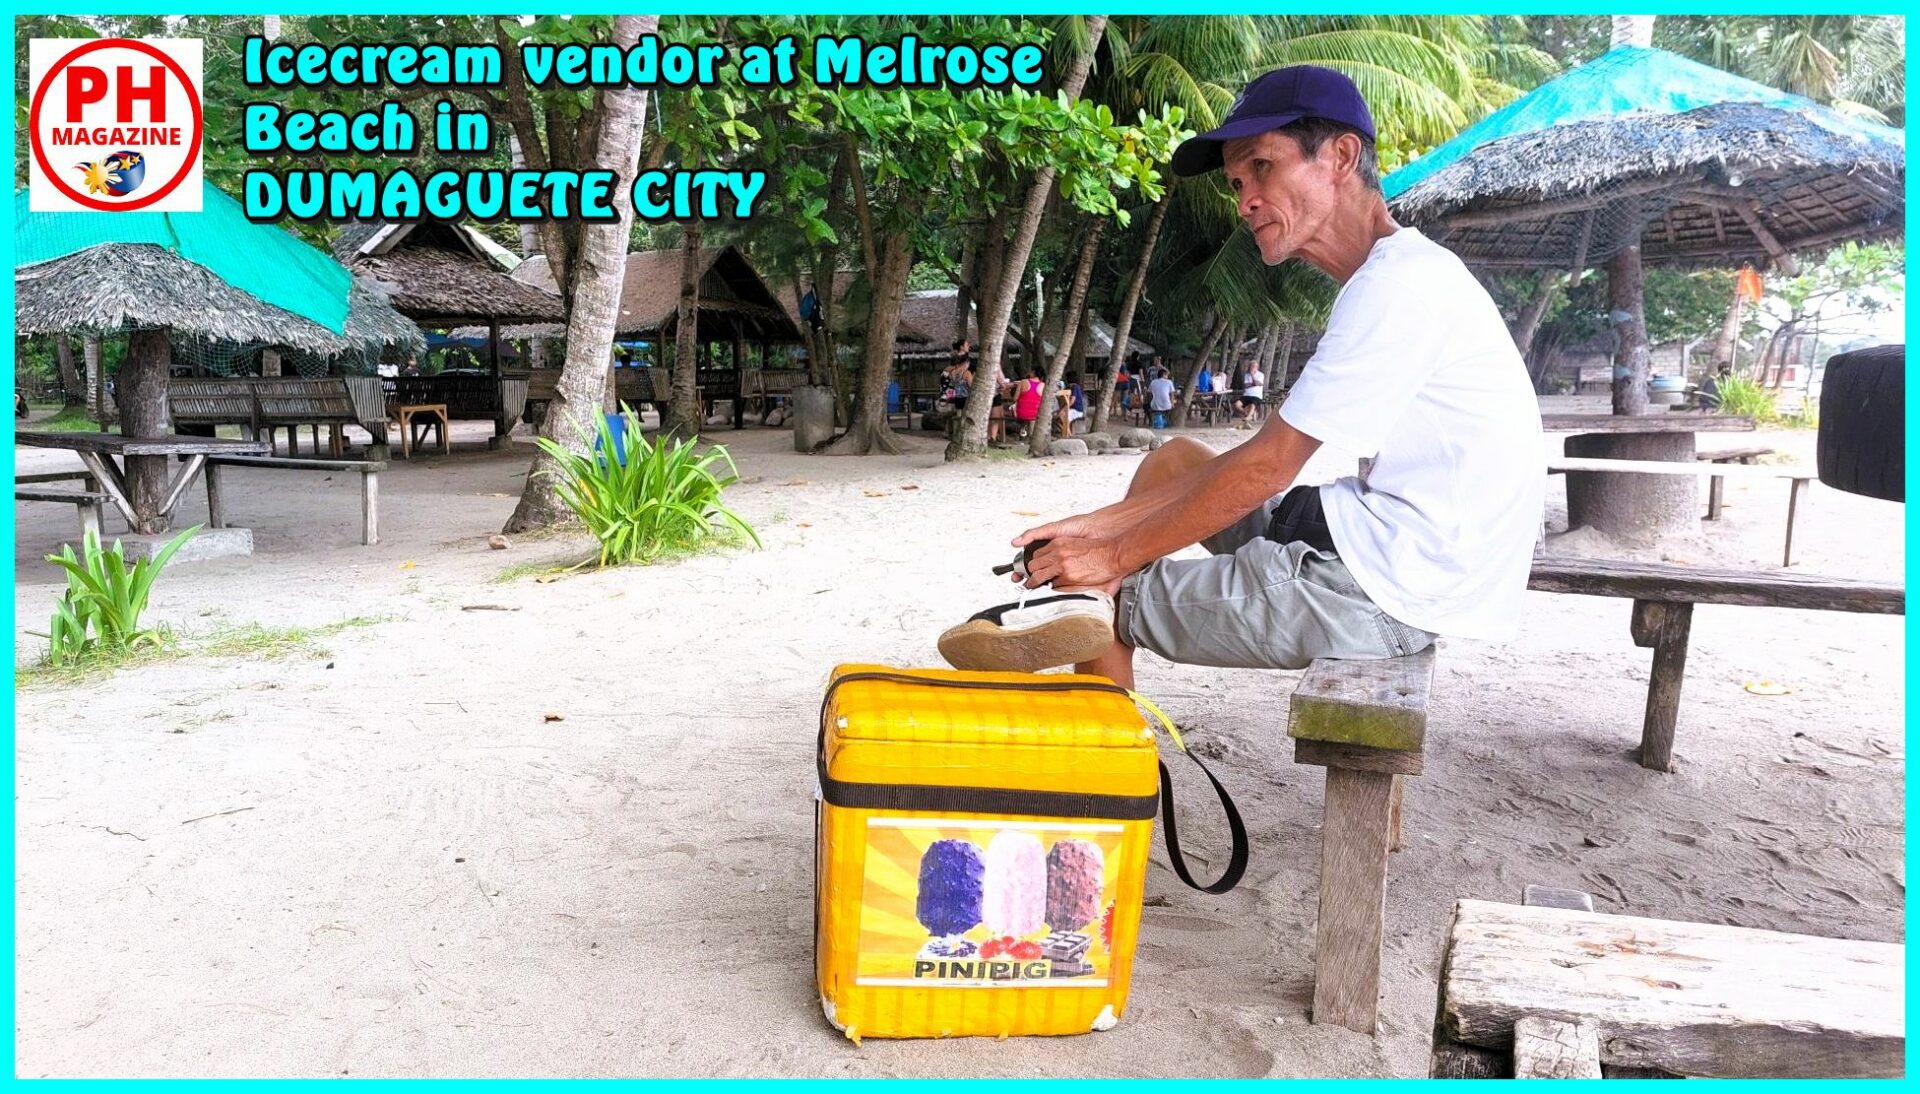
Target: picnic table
1635,506
106,455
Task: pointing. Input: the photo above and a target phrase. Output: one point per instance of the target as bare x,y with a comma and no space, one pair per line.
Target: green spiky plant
99,614
663,497
1745,398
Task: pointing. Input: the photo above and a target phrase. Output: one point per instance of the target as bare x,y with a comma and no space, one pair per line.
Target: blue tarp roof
1624,81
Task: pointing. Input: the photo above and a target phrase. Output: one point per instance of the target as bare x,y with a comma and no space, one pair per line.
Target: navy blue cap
1277,98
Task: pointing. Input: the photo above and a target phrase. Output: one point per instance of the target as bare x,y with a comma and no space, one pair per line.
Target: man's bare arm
1102,547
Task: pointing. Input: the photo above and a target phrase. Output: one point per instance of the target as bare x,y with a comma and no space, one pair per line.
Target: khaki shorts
1257,604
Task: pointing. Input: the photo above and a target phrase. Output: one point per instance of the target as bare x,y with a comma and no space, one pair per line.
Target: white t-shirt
1160,390
1418,371
1254,387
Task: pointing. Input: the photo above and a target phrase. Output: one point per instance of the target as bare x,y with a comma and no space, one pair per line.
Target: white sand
386,862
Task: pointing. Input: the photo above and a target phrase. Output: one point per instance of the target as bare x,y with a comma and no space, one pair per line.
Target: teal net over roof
258,259
1626,80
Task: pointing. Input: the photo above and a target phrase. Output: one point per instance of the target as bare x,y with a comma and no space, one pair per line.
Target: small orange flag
1749,286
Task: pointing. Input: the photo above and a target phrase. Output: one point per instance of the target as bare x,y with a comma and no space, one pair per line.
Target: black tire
1863,438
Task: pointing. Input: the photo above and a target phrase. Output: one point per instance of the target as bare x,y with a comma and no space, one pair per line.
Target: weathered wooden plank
1645,423
1544,1048
1380,704
1729,454
1393,761
1697,469
370,508
1687,584
288,463
1689,998
113,444
53,476
1353,892
71,497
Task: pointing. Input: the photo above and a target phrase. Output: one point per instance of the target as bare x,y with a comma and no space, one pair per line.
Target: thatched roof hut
933,315
1099,339
734,301
443,274
152,288
1699,166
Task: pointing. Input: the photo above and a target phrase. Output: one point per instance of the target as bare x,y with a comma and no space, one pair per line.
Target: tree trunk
1626,297
72,387
971,441
687,413
963,295
1123,330
1280,365
1536,310
594,303
99,402
1071,331
1723,346
142,395
1263,358
870,429
1215,334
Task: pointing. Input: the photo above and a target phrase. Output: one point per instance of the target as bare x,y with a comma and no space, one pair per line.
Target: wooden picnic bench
263,405
89,500
1556,990
369,485
1703,467
1663,597
1366,723
1732,455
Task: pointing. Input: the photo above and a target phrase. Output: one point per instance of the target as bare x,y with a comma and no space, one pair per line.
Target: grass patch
260,640
71,419
246,640
48,673
521,570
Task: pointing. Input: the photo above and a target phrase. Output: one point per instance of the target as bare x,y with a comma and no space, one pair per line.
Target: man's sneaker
1043,633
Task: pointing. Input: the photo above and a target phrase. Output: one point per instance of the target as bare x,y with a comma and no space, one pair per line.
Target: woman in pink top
1026,405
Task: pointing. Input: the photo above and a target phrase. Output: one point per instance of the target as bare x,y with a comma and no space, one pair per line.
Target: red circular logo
170,184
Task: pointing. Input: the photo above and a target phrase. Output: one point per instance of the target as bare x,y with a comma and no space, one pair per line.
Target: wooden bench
1715,470
1559,992
1733,455
1366,723
89,500
369,485
1663,597
263,405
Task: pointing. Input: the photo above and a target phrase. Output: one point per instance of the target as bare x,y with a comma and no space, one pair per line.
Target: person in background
1160,398
1253,390
1073,405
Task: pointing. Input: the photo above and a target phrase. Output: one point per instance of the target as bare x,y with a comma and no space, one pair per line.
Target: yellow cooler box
982,851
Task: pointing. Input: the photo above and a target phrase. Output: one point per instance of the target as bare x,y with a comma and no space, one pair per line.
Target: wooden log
1546,1048
1353,888
1699,585
1665,627
216,517
1395,799
1688,998
1379,704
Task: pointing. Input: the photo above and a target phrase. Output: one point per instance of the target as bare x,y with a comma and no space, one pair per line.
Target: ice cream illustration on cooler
1075,872
1015,901
952,884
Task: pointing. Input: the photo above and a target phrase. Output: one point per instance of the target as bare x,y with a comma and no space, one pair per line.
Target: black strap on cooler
1045,803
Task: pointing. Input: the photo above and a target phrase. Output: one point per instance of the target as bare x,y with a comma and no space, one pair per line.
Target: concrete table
1636,507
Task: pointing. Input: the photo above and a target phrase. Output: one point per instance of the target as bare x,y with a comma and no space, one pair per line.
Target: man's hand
1077,563
1083,526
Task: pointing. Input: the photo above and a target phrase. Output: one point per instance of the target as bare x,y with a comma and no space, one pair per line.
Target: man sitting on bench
1416,369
